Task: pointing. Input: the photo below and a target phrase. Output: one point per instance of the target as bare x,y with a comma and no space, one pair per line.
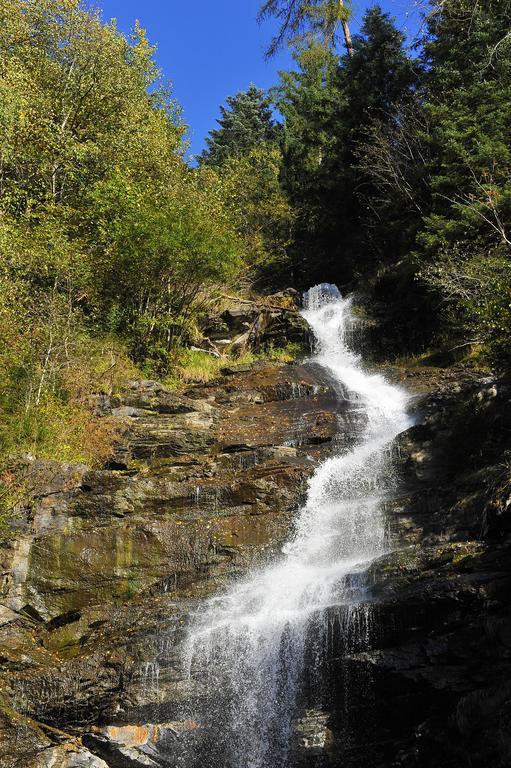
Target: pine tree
464,247
441,173
246,122
468,93
309,21
330,108
379,74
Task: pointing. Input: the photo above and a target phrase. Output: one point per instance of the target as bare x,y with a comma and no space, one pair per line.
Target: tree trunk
347,38
347,34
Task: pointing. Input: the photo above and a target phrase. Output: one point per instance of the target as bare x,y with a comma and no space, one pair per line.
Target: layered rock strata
105,565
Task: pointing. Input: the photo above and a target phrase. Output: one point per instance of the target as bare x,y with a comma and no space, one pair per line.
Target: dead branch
257,303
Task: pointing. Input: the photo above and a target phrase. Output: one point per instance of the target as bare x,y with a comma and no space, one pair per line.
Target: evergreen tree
330,108
246,122
379,74
441,175
467,102
309,100
312,21
464,246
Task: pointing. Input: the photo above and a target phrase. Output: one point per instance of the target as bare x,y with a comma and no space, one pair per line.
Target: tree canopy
104,228
245,123
329,106
308,21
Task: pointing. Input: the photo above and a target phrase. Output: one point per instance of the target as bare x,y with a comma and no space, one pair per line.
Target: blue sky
210,50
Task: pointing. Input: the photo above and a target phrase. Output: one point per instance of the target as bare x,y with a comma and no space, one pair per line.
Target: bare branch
485,205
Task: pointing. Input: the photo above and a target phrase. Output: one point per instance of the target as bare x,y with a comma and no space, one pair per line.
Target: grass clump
287,354
68,432
194,366
47,403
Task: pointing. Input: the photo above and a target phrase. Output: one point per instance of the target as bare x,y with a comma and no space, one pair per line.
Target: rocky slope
104,568
420,676
443,658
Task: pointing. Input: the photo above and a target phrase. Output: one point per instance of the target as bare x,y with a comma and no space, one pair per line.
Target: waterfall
247,646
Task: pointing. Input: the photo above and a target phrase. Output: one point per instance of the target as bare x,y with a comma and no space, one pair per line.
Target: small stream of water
248,645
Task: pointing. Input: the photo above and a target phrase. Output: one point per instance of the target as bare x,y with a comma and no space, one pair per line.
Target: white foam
254,634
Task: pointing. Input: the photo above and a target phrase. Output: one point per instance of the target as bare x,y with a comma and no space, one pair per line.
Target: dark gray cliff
442,664
425,678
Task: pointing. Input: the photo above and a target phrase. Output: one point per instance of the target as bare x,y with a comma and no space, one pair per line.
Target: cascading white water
248,644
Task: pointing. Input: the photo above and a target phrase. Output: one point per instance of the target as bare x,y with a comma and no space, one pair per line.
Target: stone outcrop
247,324
104,568
447,594
420,677
105,565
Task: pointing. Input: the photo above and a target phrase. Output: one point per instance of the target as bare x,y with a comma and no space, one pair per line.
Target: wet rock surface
424,678
105,566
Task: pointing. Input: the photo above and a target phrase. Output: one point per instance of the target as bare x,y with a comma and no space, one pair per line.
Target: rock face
104,568
420,676
249,324
447,594
106,565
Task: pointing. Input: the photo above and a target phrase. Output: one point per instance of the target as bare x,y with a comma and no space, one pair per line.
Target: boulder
61,757
253,325
137,746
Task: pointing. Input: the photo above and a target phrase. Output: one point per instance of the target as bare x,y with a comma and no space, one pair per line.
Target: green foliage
306,21
443,181
259,210
243,164
103,227
468,88
398,170
309,101
330,106
476,291
245,123
159,247
379,74
76,103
